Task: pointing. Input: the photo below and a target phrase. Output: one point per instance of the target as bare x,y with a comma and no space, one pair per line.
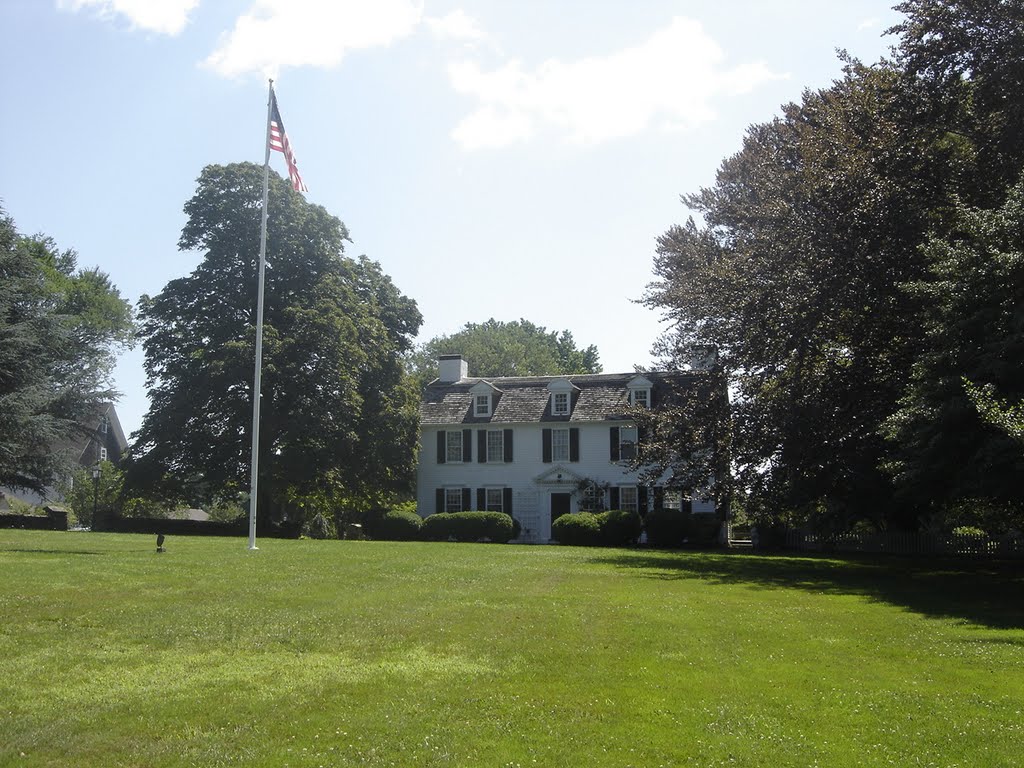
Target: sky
498,159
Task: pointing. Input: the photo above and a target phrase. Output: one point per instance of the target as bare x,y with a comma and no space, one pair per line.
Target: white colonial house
538,447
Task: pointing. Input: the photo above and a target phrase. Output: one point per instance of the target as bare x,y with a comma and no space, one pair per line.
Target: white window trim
479,400
448,446
635,504
500,495
628,446
103,453
448,494
500,446
633,400
564,408
555,456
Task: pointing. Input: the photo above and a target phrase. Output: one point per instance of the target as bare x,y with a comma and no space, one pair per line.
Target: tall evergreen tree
60,330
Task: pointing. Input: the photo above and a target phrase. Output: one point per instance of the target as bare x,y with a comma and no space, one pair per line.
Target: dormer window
561,390
560,404
639,389
485,398
482,405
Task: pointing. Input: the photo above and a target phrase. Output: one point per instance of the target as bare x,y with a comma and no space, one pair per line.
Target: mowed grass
309,653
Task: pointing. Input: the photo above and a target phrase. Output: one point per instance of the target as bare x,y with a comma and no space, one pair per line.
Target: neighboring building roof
524,399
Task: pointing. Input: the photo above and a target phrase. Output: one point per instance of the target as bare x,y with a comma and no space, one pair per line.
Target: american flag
279,141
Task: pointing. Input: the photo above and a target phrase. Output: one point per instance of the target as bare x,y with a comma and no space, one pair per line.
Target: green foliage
620,528
666,527
496,348
104,492
338,415
836,273
582,529
398,525
469,526
61,328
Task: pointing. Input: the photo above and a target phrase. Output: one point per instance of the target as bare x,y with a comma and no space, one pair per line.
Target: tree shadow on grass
23,550
989,594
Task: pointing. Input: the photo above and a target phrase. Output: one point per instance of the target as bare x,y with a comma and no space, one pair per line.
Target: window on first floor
673,499
628,498
452,499
592,498
495,499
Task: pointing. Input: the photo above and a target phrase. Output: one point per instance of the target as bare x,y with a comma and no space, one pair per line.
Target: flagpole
257,378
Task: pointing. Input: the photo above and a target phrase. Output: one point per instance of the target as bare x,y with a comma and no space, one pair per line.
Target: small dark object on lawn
160,543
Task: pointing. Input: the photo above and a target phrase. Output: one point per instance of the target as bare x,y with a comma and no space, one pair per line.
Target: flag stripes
279,142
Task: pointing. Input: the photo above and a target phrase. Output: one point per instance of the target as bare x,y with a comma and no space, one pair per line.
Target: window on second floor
495,445
560,404
104,425
640,398
453,446
627,443
560,445
103,454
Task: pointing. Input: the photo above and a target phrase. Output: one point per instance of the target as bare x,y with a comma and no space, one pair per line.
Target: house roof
525,399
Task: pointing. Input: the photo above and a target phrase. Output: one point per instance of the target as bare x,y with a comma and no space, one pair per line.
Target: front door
561,504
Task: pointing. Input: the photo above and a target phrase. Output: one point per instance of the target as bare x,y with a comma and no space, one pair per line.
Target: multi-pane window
673,500
592,499
104,425
495,445
483,405
453,450
452,499
103,454
559,444
560,403
627,443
495,498
627,498
640,398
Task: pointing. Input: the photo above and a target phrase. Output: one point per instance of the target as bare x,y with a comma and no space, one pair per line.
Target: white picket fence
1010,546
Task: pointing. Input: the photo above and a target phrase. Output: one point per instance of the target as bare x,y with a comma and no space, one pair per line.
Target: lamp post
95,494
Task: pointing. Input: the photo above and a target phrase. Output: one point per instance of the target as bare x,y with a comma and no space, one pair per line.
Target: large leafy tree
809,270
338,413
517,348
61,328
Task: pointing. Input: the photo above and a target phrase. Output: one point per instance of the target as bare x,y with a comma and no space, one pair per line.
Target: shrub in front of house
666,527
579,530
703,530
398,525
469,526
620,528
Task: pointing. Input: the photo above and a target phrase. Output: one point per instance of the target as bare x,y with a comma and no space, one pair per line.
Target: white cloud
868,24
457,25
275,34
168,17
671,79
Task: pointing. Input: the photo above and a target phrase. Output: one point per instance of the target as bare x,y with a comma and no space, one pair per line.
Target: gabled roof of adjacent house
525,399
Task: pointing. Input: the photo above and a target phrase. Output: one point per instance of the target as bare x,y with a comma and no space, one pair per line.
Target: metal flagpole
256,393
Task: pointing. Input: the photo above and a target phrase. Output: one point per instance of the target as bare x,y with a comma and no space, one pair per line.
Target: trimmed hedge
56,519
579,530
470,526
620,528
398,525
174,527
666,527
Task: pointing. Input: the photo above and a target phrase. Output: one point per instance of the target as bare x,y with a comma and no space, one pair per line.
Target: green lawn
313,653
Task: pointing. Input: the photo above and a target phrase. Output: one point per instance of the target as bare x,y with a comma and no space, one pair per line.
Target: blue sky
499,159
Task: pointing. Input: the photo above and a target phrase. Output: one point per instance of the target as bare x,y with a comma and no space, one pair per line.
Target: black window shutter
467,445
687,502
574,444
641,499
466,502
508,445
441,447
659,497
614,432
506,500
439,501
613,494
481,445
546,446
481,499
